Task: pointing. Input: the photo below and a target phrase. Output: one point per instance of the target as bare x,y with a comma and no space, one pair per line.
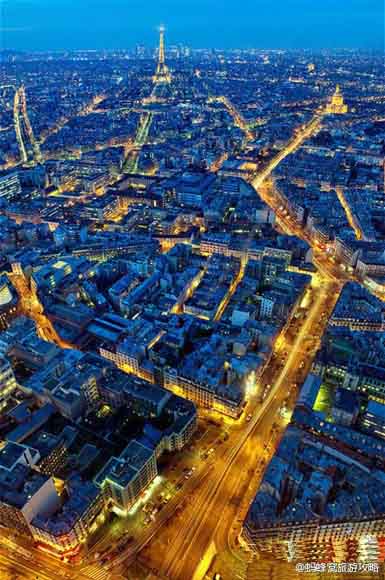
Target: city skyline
64,24
192,300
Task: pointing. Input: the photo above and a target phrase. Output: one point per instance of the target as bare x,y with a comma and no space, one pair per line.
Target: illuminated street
238,119
31,307
23,128
223,491
18,129
351,218
140,140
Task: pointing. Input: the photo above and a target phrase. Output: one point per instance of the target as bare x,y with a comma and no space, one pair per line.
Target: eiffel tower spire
162,74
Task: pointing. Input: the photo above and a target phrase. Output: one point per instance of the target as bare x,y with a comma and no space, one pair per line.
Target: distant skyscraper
140,51
162,74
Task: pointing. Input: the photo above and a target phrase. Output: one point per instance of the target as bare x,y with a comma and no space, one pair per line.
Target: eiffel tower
162,74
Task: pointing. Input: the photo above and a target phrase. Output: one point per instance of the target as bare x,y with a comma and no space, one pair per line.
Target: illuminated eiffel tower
162,74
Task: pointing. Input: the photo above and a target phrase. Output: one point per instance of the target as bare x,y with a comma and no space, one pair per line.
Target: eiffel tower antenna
162,74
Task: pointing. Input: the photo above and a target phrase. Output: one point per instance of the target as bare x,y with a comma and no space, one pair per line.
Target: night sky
58,24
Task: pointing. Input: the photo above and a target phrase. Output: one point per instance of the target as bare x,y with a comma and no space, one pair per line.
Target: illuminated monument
336,105
162,74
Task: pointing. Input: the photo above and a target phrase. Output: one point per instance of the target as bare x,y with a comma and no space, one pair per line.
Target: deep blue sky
57,24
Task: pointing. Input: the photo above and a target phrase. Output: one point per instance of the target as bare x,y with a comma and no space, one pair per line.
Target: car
148,507
248,418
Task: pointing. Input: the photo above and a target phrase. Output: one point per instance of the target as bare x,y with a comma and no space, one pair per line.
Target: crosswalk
96,572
